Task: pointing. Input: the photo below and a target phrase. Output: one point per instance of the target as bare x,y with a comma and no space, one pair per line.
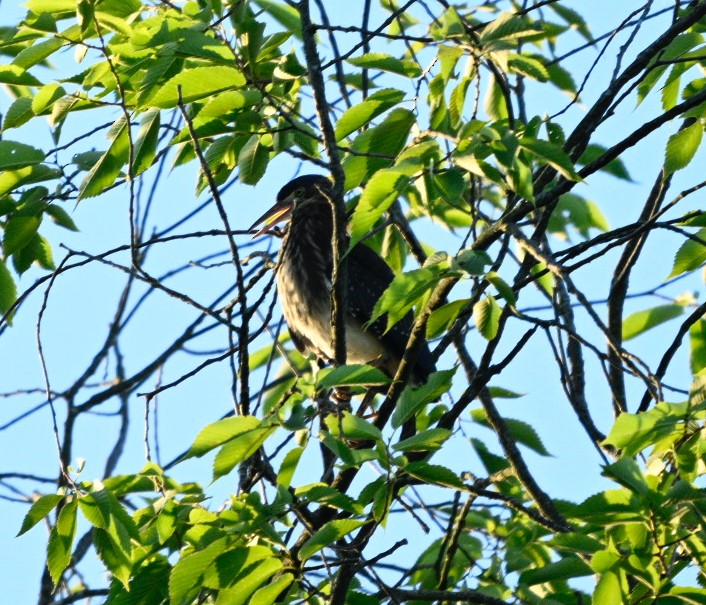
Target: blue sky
82,301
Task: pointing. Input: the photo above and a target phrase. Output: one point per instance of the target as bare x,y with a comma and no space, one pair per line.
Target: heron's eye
299,193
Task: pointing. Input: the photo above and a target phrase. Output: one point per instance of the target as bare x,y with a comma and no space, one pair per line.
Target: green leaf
229,102
504,289
107,169
18,155
61,217
532,67
615,167
350,375
15,75
185,579
414,398
553,155
289,466
353,427
405,291
285,14
433,474
387,139
114,557
691,255
424,441
443,318
146,143
18,113
634,432
637,323
521,432
37,250
8,289
30,56
42,506
682,146
507,27
19,231
564,569
361,114
384,62
267,595
328,534
61,539
487,317
238,449
474,262
697,338
196,83
252,160
379,194
627,472
325,495
607,590
46,97
247,583
574,19
218,433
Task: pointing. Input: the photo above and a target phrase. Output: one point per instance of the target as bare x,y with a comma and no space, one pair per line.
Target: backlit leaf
252,160
8,289
691,254
18,155
43,505
637,323
196,83
61,539
682,146
218,433
487,317
328,534
383,62
107,169
362,113
380,193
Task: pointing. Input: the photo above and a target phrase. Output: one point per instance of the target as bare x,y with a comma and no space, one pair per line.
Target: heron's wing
368,277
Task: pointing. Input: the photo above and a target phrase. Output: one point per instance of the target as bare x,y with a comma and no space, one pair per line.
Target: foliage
426,116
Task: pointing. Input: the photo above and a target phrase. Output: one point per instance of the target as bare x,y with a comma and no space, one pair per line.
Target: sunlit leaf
691,254
383,62
252,160
61,539
682,146
414,398
382,190
8,289
15,155
641,321
43,505
328,534
221,431
106,170
486,313
196,83
351,375
362,113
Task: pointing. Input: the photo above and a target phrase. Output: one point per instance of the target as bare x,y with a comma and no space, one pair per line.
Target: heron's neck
306,249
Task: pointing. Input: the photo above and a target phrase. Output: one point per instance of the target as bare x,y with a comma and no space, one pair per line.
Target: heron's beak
279,212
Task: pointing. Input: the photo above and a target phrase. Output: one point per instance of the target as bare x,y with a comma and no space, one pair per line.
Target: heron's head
298,193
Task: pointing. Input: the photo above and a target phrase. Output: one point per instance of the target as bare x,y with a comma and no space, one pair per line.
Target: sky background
82,303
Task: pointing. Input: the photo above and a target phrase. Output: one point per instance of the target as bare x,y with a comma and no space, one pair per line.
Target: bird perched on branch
304,283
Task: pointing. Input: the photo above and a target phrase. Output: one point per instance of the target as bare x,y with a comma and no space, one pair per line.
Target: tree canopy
531,172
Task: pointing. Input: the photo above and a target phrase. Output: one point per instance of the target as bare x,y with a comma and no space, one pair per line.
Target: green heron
304,284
